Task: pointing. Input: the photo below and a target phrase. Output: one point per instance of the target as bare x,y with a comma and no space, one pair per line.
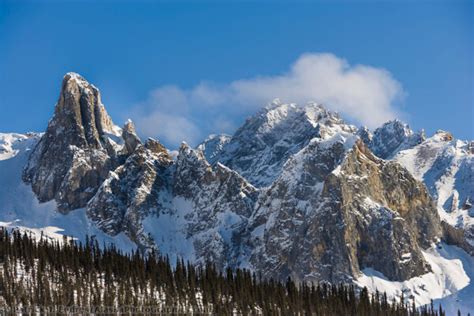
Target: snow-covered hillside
451,282
446,166
20,208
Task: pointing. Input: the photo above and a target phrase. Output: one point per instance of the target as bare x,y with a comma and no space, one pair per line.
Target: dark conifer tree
53,274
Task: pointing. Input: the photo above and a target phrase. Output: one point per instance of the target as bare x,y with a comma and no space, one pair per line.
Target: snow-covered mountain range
295,192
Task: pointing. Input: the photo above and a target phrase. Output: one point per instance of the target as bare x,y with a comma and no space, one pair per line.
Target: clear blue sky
130,49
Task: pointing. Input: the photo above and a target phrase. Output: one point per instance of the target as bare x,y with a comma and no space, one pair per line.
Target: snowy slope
20,208
448,277
446,166
451,282
463,298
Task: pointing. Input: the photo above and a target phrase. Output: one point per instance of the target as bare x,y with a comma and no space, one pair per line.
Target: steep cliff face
279,235
75,153
337,209
389,215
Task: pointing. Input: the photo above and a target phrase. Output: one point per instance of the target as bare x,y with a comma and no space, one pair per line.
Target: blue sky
150,60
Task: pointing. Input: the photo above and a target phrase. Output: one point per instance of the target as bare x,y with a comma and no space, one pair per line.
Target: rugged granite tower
75,153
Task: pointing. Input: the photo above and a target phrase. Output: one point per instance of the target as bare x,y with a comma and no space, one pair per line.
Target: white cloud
362,93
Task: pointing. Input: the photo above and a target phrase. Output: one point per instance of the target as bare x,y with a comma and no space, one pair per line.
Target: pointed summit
130,137
80,113
259,149
74,155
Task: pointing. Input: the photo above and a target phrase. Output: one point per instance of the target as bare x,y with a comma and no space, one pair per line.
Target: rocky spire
130,137
80,115
74,155
156,147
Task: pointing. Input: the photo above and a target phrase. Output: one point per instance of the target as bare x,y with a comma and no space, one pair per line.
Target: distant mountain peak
392,137
259,148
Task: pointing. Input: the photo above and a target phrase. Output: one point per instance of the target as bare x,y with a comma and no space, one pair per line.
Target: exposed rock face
222,202
130,193
130,137
330,214
389,214
75,155
258,149
156,147
393,137
460,235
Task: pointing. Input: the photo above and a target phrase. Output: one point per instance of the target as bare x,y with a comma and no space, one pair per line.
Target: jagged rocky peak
392,137
157,148
130,193
259,149
75,153
191,168
470,147
221,200
195,177
130,137
443,136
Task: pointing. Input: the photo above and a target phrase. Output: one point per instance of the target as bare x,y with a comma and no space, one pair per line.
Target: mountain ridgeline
295,192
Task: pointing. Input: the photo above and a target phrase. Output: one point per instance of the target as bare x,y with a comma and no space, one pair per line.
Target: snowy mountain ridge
446,166
294,192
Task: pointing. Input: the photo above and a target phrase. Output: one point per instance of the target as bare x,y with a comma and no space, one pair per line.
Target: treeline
41,274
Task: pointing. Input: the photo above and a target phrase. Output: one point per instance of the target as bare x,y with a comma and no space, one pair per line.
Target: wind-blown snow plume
363,93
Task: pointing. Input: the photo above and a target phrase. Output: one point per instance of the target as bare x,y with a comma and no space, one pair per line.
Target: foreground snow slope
20,208
450,283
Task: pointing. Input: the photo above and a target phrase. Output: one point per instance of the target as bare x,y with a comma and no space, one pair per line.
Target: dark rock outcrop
391,138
